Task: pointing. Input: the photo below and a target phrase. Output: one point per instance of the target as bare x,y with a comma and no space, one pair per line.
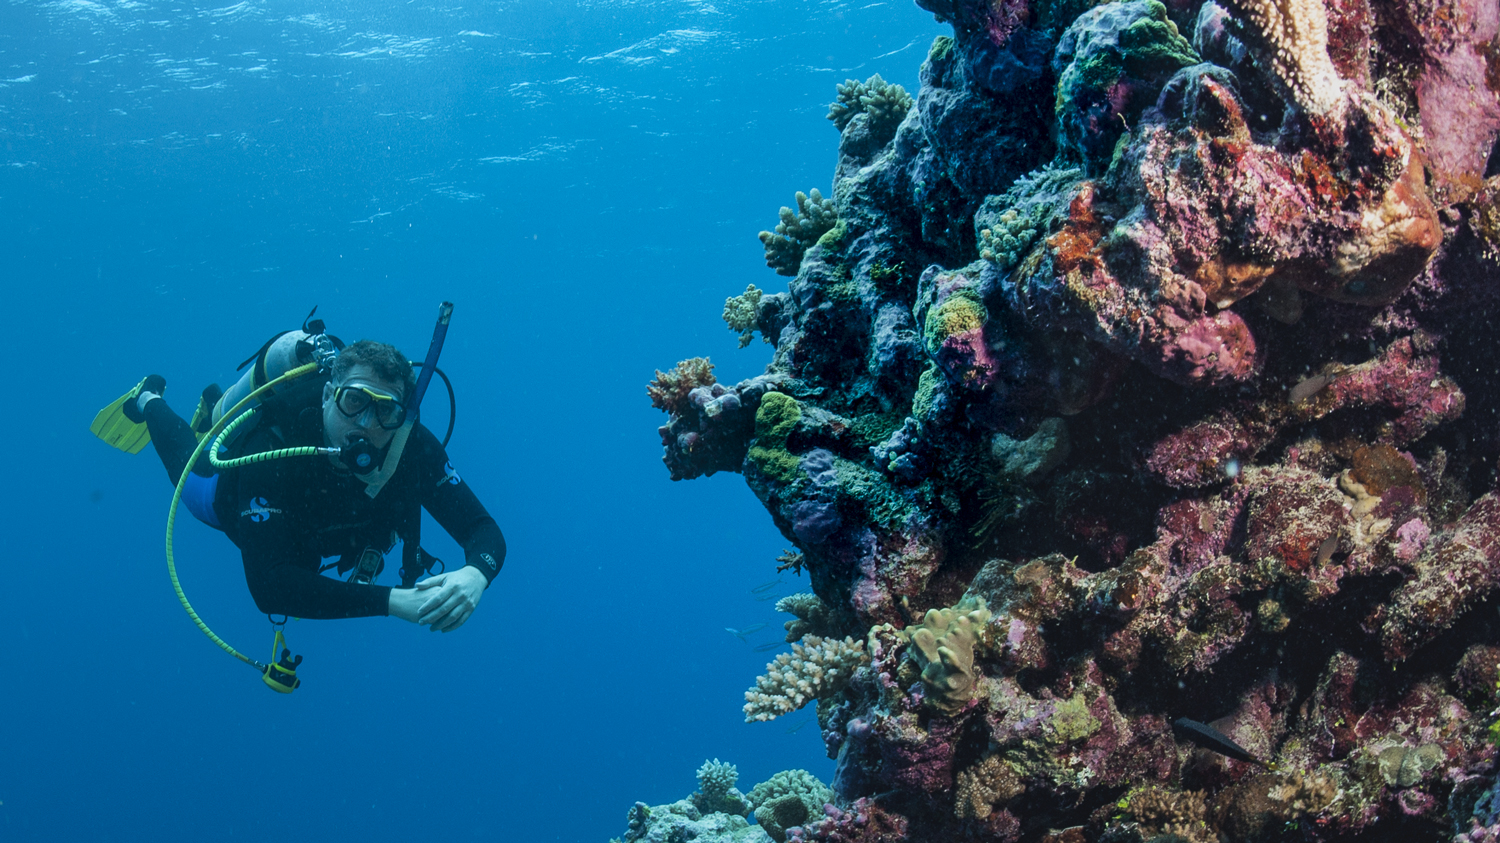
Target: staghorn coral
816,669
669,390
798,231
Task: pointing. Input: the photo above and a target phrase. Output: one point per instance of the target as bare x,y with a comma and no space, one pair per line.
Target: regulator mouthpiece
361,457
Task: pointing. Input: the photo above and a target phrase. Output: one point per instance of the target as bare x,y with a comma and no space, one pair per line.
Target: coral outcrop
1141,368
787,800
717,812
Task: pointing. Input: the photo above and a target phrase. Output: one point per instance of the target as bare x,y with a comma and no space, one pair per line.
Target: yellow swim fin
203,417
117,429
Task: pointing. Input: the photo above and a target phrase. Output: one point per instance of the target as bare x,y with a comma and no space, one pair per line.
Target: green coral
774,421
887,280
874,428
742,312
885,504
943,648
833,239
885,103
1124,39
787,799
1010,224
929,385
1072,721
1100,70
797,232
1147,46
959,313
1153,45
941,49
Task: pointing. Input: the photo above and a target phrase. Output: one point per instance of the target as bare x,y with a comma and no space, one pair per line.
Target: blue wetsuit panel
198,497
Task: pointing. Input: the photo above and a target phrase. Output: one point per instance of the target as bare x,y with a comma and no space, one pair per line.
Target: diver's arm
458,511
287,587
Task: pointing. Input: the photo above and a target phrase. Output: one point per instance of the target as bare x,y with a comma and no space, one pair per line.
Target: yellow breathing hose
220,431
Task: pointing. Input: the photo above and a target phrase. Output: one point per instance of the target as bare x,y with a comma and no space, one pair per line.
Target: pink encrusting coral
1148,372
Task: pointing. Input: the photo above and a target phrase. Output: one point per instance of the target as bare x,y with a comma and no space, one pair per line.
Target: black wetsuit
287,515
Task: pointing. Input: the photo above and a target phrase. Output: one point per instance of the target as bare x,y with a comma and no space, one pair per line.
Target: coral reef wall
1144,369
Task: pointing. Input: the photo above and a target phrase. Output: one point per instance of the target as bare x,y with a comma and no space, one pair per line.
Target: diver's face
340,428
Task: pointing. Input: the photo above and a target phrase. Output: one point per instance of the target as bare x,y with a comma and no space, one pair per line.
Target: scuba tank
281,354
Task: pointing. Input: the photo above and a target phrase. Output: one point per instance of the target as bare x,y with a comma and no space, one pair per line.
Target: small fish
1210,738
749,630
766,648
1307,388
765,587
1326,549
796,728
761,598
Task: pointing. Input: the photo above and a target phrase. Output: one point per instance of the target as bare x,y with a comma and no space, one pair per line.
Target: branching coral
815,669
1009,224
715,814
885,103
742,313
716,790
1175,815
813,616
1293,35
798,231
669,390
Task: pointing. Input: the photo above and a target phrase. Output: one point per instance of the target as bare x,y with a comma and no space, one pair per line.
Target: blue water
585,182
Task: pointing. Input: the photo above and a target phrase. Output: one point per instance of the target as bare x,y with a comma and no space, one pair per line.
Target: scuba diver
315,454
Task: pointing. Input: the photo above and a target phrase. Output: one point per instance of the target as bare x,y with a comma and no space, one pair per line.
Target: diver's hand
450,598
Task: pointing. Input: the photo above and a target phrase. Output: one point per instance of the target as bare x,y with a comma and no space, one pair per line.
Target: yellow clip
281,674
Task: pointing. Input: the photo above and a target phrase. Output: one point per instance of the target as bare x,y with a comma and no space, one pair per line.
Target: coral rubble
1140,367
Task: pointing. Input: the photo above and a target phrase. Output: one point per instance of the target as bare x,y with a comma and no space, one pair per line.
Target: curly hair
388,364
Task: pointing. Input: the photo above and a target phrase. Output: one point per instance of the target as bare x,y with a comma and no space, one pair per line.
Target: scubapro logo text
260,510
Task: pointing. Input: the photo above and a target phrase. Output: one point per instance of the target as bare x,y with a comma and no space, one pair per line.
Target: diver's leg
173,439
